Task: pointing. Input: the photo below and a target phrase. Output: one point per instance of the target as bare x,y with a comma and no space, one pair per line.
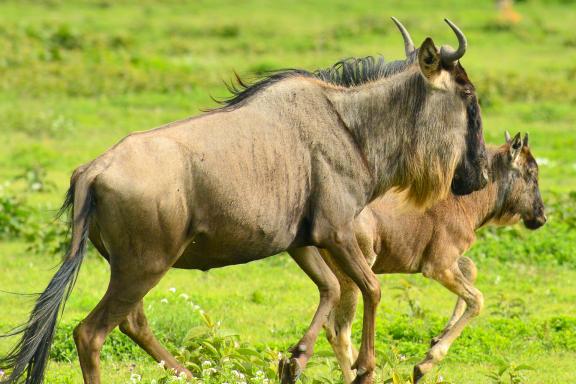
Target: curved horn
408,44
507,136
449,55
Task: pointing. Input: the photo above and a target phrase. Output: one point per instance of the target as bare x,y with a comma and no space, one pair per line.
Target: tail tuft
29,356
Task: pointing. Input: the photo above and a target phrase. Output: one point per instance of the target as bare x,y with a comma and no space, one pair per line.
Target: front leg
343,247
468,269
311,262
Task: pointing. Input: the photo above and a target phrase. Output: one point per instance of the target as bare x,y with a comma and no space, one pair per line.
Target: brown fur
432,243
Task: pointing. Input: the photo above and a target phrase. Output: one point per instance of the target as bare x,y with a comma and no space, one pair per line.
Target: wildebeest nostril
543,219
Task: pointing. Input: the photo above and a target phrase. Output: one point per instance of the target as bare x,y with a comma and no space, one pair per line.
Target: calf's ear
515,147
507,137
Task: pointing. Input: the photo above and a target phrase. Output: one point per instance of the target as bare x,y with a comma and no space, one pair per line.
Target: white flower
184,296
135,378
162,364
208,372
1,373
440,379
172,289
164,301
239,375
206,363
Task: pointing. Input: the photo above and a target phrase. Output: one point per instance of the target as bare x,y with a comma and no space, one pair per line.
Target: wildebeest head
443,72
442,69
523,195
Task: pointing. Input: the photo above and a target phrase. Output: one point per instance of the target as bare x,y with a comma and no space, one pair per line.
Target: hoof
289,371
417,374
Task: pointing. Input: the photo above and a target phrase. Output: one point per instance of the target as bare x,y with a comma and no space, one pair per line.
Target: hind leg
311,262
125,291
136,327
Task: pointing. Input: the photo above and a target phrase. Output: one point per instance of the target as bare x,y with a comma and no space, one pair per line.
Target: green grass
76,76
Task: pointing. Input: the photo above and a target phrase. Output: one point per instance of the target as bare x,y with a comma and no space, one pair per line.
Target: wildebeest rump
287,163
398,239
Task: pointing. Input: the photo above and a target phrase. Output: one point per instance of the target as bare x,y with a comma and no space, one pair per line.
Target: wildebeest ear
515,147
507,137
429,58
525,140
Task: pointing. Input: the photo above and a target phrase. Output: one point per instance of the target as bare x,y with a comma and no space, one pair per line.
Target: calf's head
521,195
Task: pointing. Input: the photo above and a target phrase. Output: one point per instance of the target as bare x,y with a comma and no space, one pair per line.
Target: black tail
29,357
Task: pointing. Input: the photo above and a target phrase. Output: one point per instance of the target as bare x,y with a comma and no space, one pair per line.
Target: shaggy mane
347,73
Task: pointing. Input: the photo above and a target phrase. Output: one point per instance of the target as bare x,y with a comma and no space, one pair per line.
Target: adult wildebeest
396,239
288,162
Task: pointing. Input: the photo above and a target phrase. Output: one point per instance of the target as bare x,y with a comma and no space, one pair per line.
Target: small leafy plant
407,293
14,213
35,179
508,372
214,354
511,308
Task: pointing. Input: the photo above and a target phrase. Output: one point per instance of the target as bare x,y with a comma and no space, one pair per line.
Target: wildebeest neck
400,126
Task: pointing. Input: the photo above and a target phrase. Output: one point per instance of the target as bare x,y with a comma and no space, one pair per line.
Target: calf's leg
339,327
344,248
468,269
311,262
455,280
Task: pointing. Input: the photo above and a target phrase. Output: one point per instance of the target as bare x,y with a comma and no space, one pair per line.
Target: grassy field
77,76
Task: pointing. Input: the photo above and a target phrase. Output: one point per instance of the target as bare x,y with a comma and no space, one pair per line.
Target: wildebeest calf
432,242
